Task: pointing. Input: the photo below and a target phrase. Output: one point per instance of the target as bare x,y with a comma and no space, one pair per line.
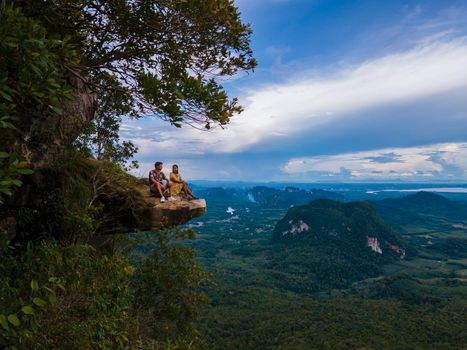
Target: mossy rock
78,198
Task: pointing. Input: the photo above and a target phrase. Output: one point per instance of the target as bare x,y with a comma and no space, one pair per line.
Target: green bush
76,297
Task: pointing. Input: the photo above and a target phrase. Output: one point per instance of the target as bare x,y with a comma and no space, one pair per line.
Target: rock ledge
169,213
175,213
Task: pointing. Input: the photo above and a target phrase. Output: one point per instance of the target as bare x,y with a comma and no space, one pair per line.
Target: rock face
175,213
168,214
125,204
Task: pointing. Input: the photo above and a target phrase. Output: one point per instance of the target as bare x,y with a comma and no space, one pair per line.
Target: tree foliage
101,137
161,56
77,297
57,57
31,83
166,58
32,69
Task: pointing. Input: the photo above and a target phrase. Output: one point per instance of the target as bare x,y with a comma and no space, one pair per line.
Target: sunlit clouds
398,113
282,110
448,161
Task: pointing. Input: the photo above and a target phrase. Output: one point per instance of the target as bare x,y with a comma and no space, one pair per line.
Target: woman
178,185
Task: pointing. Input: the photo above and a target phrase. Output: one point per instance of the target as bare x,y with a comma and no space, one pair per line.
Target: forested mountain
425,210
354,225
331,244
276,198
421,204
299,274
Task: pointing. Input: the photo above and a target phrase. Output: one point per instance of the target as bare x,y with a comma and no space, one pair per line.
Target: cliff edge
170,213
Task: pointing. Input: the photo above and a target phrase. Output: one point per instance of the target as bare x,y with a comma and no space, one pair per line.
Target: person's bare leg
169,187
187,190
159,189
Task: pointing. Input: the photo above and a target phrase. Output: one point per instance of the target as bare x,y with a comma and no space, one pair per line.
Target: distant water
428,189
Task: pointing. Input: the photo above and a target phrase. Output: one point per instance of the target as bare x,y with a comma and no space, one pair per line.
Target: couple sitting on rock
174,186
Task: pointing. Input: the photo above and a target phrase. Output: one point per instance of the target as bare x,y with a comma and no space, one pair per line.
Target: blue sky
367,90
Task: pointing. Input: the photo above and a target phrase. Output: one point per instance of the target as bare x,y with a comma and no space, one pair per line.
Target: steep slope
328,244
354,225
81,197
421,209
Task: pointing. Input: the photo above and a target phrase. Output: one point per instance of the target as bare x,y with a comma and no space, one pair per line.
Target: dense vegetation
326,244
265,319
69,71
299,294
56,296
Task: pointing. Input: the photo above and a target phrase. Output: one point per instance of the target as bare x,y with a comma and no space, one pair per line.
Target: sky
345,91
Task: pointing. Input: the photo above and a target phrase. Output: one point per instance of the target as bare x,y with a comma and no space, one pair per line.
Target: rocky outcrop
169,213
373,243
145,212
176,213
59,202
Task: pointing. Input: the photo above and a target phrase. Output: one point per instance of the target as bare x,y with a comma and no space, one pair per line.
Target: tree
100,138
55,296
45,106
161,57
60,62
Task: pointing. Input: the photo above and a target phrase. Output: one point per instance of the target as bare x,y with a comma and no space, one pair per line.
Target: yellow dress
176,187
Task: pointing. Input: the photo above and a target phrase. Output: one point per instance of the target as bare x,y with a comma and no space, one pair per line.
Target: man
156,182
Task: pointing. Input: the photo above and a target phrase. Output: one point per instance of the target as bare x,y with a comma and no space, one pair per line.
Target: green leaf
13,319
25,171
16,183
4,322
6,96
28,310
36,70
4,155
6,191
13,45
6,125
34,285
48,289
39,302
52,299
55,109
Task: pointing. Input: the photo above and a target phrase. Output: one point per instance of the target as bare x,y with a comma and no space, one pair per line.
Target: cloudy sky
364,90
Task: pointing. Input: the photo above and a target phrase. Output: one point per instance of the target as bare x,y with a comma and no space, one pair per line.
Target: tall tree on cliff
158,57
61,61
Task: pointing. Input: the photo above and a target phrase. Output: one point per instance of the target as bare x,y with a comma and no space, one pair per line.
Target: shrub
78,297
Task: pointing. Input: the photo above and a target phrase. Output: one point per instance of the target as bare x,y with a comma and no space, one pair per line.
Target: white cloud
311,100
440,161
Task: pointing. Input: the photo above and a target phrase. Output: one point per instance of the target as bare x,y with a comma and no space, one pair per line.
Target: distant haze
428,189
345,91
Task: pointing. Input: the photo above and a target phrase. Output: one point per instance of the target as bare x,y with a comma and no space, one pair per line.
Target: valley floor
415,304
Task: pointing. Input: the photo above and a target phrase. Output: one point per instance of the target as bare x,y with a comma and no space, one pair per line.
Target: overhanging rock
175,213
169,213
